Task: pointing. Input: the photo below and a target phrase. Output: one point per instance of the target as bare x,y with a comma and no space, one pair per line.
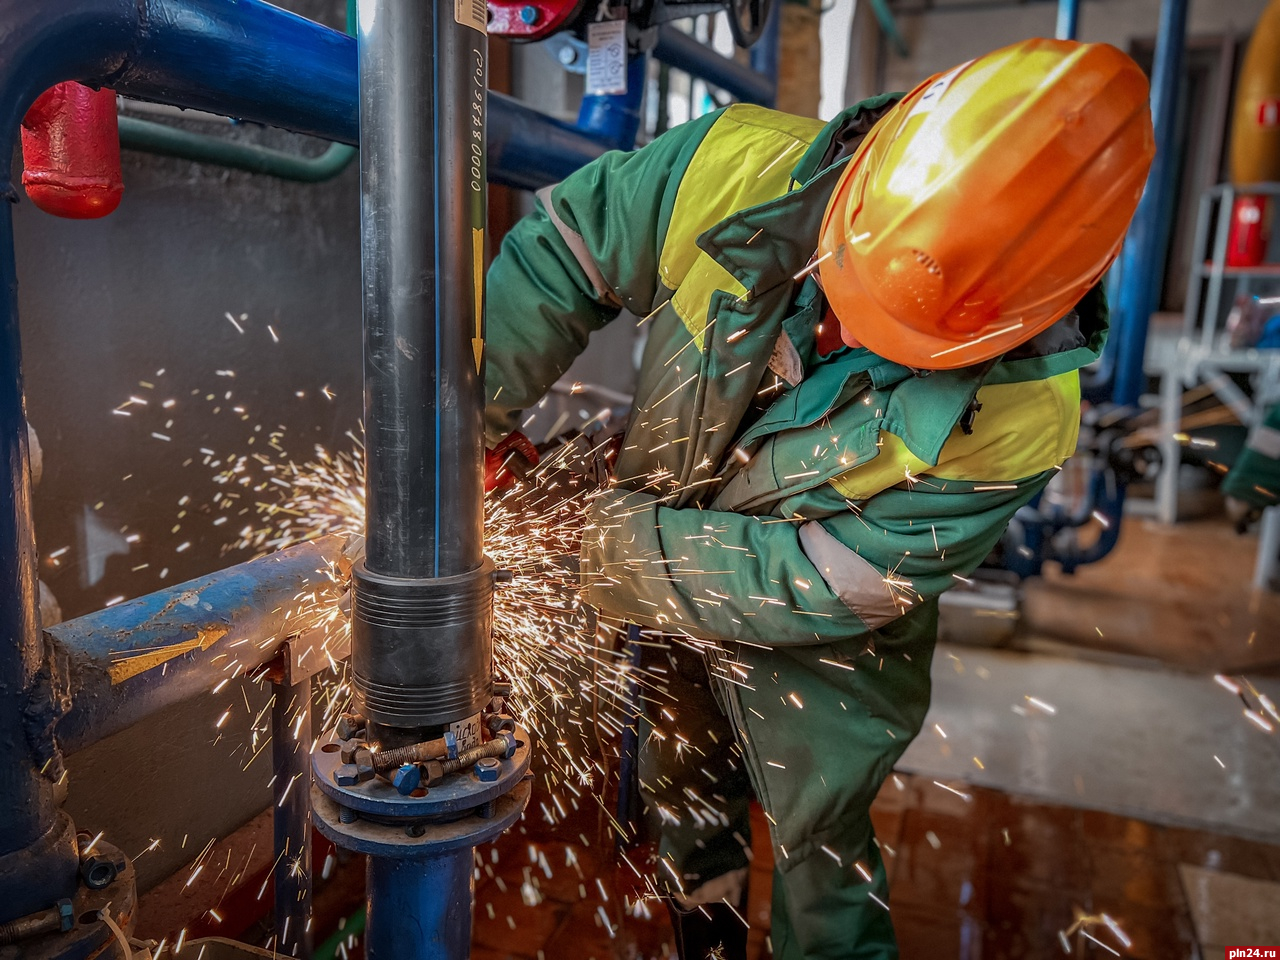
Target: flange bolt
407,779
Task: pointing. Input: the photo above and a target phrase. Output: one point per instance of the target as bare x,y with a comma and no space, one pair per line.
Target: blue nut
407,779
451,744
510,740
529,15
488,770
66,915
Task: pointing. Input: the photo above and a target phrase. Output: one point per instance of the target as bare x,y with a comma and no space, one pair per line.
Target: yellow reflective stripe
892,465
744,138
1022,430
693,297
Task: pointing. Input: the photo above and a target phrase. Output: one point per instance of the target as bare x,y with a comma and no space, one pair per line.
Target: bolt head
363,760
346,775
407,779
488,770
451,744
529,14
349,725
97,872
568,55
347,750
66,914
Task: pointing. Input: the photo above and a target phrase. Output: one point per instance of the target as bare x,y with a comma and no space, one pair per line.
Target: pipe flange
417,841
455,796
89,937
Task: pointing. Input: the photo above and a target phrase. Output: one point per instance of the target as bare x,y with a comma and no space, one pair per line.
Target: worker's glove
513,457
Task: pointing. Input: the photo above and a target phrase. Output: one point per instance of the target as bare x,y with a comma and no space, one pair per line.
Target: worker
862,349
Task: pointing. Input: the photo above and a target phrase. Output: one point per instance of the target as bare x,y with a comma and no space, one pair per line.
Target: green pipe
890,27
144,135
329,949
167,141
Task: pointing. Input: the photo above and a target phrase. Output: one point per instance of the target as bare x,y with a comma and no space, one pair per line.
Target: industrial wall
944,33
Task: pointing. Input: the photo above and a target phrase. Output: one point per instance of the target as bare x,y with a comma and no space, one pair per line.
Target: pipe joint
422,651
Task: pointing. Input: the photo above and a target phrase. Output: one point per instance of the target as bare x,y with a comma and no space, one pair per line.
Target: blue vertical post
764,54
1143,256
614,118
291,816
1068,20
35,868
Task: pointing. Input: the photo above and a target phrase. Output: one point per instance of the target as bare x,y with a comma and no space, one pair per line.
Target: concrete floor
1152,743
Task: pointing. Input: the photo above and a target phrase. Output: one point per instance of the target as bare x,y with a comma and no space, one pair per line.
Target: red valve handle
71,152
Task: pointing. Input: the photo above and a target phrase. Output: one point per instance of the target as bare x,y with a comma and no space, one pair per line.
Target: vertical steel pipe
1068,20
291,816
419,909
422,599
423,197
1143,256
421,645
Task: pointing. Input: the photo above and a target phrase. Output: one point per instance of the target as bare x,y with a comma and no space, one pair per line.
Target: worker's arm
589,249
724,576
882,537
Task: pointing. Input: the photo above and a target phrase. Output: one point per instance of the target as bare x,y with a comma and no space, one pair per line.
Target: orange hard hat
986,203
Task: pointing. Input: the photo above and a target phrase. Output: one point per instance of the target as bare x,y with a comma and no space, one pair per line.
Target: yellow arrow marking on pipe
477,264
132,664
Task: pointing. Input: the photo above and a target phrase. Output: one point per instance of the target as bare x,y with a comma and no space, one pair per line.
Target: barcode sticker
607,57
472,13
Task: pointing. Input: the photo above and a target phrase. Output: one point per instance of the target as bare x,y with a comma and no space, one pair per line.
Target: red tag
1269,113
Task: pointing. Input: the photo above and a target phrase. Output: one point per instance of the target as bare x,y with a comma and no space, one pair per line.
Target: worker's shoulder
746,119
1019,430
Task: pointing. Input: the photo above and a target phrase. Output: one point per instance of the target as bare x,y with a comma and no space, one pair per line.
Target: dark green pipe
136,134
160,138
354,927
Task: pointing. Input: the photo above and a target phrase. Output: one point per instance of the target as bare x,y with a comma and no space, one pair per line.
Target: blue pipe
26,797
1068,19
126,662
1143,255
419,908
686,53
614,118
248,60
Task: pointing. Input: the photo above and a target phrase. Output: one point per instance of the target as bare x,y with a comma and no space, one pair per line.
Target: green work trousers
813,731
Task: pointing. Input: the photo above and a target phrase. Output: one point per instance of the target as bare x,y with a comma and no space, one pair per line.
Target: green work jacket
764,493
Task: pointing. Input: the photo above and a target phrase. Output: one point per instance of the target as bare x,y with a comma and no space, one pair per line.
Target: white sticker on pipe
607,57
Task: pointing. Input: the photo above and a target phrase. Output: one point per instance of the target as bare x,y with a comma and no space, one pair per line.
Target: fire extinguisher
71,152
1250,231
